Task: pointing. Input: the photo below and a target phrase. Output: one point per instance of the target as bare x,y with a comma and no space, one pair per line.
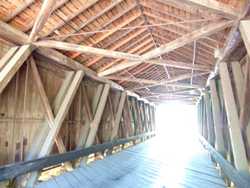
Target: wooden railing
14,170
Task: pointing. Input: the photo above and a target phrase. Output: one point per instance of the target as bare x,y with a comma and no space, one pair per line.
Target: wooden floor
148,164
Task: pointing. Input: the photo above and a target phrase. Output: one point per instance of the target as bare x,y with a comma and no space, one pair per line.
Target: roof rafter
23,5
212,6
155,82
168,47
118,45
112,31
43,15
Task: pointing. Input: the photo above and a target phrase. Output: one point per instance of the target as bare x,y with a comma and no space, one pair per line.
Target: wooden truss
96,110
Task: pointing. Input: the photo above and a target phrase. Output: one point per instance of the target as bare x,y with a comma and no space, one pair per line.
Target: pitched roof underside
136,27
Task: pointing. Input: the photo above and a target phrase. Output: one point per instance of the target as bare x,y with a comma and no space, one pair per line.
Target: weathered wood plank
86,49
233,120
165,48
238,80
212,6
217,118
45,102
13,65
43,15
118,115
98,115
5,59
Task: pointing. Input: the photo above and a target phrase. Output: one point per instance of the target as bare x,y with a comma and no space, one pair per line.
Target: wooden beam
155,82
68,98
43,15
179,65
188,38
62,112
98,115
19,8
70,16
179,42
239,81
244,31
46,104
118,115
213,6
7,56
92,18
12,34
16,61
209,120
179,85
217,118
18,37
119,44
103,36
238,148
90,110
172,95
85,49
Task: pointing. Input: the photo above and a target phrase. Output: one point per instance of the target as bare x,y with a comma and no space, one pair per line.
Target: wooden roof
168,46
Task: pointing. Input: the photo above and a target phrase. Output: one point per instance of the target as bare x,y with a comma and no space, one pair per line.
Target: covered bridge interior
80,80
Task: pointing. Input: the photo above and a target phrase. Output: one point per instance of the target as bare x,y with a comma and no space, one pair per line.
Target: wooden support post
139,117
209,119
150,117
46,146
118,115
68,98
127,118
45,102
204,119
5,59
244,30
217,118
41,19
245,109
98,115
233,120
13,64
89,115
145,120
238,80
133,115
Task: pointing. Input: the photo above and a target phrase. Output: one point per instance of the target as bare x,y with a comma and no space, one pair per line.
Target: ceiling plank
188,38
11,34
43,15
70,17
13,65
180,65
85,49
118,45
244,30
93,18
178,85
156,82
168,47
101,37
213,6
21,6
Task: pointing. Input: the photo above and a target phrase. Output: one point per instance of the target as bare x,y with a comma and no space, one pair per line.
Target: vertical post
217,118
239,80
209,119
233,119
